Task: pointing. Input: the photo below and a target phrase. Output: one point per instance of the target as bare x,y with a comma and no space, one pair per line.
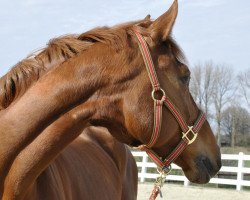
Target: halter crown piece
189,133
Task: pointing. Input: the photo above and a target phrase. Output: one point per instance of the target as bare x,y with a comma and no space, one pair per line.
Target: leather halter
189,133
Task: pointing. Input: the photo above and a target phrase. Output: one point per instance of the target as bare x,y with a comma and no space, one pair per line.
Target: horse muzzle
205,170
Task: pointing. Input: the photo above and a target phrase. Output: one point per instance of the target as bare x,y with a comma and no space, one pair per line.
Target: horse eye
185,80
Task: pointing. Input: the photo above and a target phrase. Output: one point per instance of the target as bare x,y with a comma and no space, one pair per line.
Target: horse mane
20,77
58,50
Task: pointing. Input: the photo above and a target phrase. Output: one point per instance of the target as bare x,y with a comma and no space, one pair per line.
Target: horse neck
70,96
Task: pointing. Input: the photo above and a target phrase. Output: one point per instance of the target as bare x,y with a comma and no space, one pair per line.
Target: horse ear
161,28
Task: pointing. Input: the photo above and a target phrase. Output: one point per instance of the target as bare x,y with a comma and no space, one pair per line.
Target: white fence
239,175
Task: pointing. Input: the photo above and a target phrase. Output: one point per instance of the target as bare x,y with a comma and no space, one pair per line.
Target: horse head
133,106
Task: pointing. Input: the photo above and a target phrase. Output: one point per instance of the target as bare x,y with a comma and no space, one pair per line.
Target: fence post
144,167
239,173
186,182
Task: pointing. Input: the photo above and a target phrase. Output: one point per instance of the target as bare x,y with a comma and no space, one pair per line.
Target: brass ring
154,91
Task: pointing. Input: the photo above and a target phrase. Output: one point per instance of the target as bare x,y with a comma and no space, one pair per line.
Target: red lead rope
189,133
155,193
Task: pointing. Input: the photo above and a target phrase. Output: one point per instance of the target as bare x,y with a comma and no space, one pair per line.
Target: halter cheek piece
189,133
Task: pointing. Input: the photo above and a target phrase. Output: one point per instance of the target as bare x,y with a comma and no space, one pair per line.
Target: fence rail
239,173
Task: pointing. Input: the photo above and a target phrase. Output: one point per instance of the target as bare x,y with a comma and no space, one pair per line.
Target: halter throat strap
189,133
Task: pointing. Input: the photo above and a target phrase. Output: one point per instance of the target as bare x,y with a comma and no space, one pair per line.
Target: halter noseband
187,131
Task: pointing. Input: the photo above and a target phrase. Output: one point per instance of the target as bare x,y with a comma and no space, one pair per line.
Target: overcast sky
217,30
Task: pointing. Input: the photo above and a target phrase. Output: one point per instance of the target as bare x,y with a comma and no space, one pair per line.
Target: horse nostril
207,164
204,163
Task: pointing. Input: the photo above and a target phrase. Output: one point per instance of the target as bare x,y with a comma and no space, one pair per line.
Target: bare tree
208,85
201,85
223,91
196,85
244,82
235,122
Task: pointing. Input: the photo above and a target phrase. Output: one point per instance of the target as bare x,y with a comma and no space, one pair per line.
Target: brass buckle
185,135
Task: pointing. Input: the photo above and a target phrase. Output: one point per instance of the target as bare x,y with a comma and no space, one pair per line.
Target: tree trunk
218,133
233,133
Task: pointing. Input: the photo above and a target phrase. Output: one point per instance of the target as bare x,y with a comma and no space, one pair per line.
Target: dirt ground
176,192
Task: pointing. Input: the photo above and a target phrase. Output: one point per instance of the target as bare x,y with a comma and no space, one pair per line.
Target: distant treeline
224,95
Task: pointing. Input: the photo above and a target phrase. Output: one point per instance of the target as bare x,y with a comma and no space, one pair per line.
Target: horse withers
108,85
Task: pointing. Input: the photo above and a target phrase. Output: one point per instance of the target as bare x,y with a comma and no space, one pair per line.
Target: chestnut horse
107,85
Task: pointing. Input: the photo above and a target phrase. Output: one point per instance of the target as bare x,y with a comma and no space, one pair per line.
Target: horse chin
202,171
